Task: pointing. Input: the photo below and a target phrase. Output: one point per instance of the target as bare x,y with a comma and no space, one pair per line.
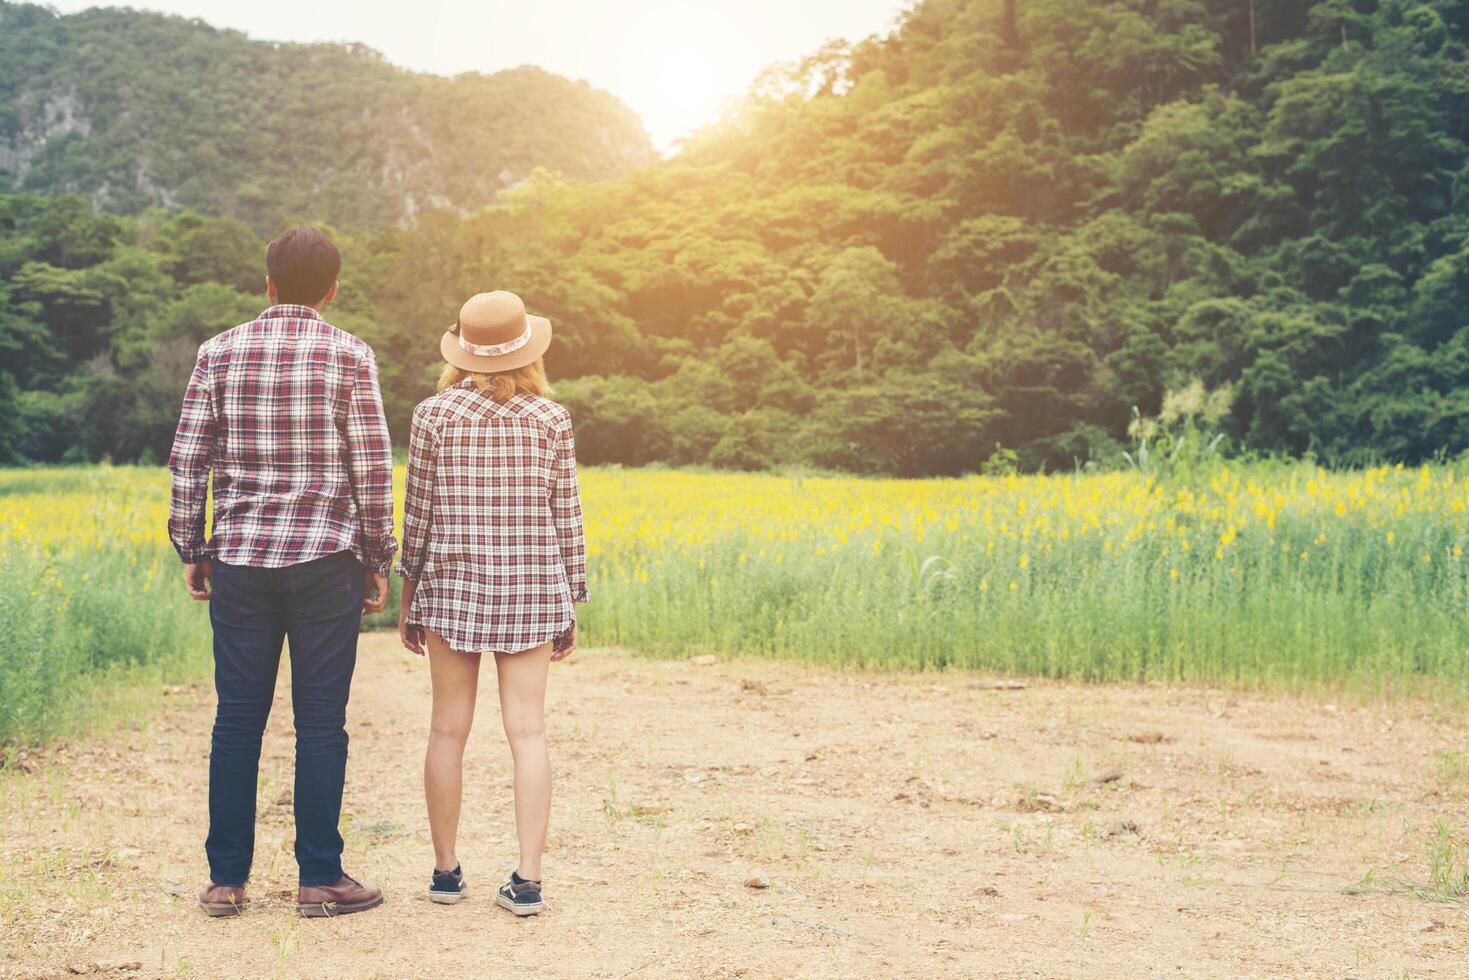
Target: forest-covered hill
136,109
1009,222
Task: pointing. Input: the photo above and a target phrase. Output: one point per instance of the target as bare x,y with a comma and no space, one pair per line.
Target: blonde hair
502,385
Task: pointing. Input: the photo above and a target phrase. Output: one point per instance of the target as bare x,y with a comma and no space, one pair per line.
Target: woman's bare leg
455,681
523,707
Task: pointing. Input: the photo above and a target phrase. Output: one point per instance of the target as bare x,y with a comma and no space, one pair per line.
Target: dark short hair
303,263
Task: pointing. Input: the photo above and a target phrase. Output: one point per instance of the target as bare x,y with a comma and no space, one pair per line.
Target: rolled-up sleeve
189,463
370,455
566,514
418,503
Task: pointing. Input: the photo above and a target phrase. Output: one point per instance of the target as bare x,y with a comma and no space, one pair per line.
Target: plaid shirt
286,412
492,529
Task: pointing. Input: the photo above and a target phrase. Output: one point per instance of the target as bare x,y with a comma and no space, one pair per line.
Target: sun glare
688,94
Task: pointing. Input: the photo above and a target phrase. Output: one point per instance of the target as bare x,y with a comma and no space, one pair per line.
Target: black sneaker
447,887
520,896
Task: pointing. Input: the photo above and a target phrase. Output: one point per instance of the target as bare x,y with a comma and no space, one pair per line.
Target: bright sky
675,62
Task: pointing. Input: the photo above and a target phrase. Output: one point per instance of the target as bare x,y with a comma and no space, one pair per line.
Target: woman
493,560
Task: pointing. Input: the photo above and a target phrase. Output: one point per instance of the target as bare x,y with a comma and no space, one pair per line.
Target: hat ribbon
496,350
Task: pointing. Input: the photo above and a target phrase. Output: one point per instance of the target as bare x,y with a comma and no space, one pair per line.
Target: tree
1001,222
857,298
213,250
906,425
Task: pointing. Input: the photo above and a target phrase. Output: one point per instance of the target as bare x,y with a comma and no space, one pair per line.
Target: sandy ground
908,826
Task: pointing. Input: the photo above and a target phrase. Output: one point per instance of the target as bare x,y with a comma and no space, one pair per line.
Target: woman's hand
566,646
411,636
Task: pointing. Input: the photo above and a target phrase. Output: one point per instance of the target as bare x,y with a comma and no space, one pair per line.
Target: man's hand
566,647
375,595
196,579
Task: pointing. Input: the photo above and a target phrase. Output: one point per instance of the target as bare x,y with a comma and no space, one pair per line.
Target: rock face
135,110
57,117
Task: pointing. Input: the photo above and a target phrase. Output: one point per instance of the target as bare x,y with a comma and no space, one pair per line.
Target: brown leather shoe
222,900
348,895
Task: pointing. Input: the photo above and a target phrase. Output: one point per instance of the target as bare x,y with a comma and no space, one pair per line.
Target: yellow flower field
1264,574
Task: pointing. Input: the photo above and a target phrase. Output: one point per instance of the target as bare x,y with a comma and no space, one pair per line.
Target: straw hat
494,333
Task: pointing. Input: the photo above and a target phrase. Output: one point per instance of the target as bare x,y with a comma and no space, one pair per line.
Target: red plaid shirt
286,412
492,527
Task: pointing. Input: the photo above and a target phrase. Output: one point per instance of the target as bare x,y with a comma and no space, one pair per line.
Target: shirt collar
290,311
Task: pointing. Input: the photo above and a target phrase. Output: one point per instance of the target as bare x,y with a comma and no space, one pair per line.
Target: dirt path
909,826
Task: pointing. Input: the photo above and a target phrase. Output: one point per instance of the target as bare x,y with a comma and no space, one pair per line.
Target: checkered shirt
492,526
286,412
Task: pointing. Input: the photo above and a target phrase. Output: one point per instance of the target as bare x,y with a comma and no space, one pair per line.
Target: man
286,413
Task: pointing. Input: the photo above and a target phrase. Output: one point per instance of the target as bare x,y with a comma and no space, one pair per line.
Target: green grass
1278,576
1262,622
1157,581
91,615
66,655
1446,877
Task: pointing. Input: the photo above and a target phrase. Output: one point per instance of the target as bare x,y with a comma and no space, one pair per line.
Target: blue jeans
318,604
